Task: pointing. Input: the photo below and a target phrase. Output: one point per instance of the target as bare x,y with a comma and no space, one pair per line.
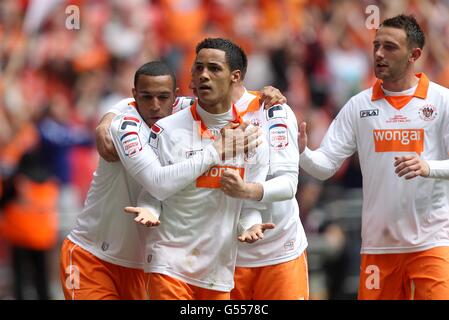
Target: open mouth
204,88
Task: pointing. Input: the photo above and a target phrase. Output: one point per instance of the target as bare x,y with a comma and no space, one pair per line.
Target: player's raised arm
105,146
338,144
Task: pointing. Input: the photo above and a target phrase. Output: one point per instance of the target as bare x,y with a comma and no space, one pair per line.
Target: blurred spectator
30,224
57,137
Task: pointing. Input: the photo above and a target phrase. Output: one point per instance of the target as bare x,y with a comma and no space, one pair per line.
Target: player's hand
255,232
232,184
271,96
144,216
233,141
302,137
252,137
411,166
105,146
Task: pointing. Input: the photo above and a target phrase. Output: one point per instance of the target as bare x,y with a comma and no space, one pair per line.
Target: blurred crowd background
57,82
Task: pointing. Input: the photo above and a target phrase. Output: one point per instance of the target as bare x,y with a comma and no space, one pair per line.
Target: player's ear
415,54
134,93
236,76
176,91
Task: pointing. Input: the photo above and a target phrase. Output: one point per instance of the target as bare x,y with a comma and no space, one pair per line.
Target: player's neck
237,92
214,120
217,108
402,84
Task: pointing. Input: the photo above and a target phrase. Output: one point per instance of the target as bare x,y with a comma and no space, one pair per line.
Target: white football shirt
196,241
103,228
287,240
398,215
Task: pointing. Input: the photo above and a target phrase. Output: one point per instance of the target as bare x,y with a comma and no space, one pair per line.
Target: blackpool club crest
428,112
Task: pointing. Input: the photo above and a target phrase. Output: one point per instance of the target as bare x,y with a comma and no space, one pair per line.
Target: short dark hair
235,56
155,68
408,23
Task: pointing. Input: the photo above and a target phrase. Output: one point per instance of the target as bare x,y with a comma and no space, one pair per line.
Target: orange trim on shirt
212,177
423,86
400,101
133,104
253,106
204,131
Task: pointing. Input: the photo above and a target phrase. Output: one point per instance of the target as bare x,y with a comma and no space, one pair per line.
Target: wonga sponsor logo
401,140
211,178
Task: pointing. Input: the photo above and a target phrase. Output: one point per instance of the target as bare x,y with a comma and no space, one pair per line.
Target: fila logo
211,178
369,113
403,140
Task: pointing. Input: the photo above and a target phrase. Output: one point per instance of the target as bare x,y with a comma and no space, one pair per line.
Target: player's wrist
254,191
426,169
